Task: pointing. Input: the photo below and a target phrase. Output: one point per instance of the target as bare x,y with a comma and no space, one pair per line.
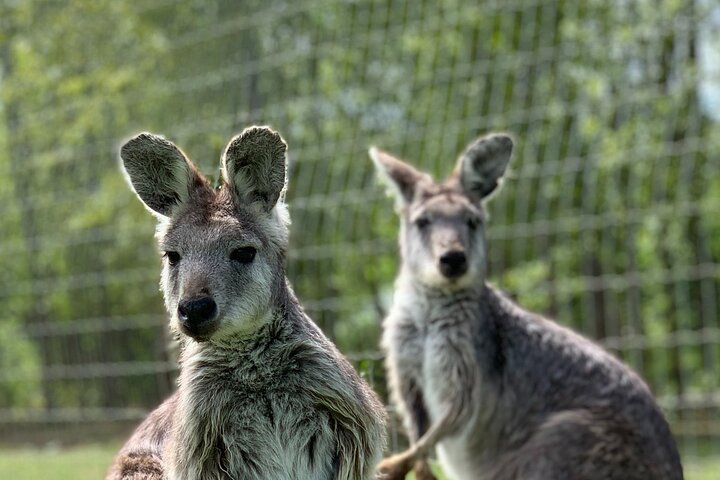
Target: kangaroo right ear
482,165
159,172
398,175
254,165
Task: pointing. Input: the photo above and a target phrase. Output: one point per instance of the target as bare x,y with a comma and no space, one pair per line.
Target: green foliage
21,386
528,280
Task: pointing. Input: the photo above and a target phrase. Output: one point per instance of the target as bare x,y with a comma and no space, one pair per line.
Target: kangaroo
501,393
262,393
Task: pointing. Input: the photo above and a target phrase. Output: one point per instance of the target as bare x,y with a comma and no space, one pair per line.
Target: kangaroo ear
254,165
398,175
159,173
483,164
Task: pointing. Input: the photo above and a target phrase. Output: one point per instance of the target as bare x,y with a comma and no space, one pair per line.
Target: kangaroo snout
198,316
453,264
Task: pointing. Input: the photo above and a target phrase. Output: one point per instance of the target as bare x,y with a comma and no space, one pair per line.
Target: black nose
197,314
453,264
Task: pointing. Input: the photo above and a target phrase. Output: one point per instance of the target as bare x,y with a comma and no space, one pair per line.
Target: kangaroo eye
172,257
422,222
243,255
472,223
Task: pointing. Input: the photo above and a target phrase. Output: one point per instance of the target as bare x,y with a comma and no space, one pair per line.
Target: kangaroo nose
196,314
453,264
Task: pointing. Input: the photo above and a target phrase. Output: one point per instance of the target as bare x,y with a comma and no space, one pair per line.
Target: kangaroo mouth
452,273
199,331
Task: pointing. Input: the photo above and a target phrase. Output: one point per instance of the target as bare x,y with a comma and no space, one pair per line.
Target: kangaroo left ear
254,165
483,164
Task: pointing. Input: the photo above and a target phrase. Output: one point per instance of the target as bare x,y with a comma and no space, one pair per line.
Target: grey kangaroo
501,393
262,393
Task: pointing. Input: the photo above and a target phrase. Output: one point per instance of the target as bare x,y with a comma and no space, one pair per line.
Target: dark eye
243,255
173,258
422,222
472,223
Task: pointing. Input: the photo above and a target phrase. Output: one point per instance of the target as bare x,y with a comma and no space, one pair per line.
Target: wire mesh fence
608,221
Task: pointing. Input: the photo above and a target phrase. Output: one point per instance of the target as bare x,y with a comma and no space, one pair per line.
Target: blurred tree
67,71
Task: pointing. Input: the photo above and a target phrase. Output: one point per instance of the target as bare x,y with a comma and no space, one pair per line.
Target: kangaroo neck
432,308
443,292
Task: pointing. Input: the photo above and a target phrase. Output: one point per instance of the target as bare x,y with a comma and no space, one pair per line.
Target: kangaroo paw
396,467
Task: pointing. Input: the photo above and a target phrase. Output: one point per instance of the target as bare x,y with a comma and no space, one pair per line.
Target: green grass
695,469
81,463
436,470
91,462
702,469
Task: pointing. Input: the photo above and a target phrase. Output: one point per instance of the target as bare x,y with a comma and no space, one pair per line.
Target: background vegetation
609,220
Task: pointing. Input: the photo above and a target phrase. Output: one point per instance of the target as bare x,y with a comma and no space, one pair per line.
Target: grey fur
159,172
264,395
483,164
502,393
254,165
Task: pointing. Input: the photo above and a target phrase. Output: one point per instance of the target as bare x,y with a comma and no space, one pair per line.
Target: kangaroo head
442,236
223,250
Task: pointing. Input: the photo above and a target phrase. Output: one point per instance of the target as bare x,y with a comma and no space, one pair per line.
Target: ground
91,462
80,463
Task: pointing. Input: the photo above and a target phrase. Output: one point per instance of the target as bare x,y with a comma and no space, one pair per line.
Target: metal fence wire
608,221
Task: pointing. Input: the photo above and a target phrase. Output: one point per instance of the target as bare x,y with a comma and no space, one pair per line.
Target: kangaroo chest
440,354
442,351
246,425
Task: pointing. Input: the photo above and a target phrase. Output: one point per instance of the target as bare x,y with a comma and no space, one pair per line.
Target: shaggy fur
501,393
262,393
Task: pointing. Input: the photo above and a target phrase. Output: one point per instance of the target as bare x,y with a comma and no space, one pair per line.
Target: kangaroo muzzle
198,316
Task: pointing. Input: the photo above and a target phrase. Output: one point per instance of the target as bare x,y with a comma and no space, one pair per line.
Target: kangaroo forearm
435,433
418,420
358,450
355,462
